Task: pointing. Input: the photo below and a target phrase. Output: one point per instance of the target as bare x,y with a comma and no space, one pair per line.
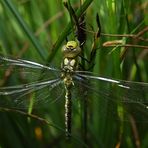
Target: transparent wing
25,82
24,71
119,98
38,94
24,63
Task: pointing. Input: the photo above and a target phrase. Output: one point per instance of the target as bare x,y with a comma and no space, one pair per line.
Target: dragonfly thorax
68,67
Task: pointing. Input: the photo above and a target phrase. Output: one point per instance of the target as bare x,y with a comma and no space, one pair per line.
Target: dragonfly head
71,49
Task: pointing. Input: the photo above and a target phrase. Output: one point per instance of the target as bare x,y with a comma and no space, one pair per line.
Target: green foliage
36,30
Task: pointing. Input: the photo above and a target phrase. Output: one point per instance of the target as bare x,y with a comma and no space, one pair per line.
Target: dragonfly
69,79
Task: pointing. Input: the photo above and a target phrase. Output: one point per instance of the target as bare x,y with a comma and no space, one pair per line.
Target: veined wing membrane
30,79
24,63
117,96
25,70
41,92
10,90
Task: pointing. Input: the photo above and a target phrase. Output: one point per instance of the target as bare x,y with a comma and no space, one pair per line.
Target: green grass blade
26,29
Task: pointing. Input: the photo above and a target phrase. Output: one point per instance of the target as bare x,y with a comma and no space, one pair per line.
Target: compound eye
71,44
71,49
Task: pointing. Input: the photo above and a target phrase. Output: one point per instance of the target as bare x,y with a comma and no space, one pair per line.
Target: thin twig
135,131
32,116
126,35
125,45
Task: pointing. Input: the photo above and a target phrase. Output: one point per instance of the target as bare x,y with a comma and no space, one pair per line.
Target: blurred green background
36,30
